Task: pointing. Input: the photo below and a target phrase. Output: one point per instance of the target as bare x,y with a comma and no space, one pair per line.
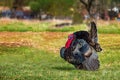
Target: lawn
36,62
42,26
35,56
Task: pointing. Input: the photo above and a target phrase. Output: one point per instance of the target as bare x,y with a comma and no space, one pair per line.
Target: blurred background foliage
62,8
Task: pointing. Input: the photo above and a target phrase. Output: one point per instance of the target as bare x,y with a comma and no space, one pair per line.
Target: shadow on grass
63,68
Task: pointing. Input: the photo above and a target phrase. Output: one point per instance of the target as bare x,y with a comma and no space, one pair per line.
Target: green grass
42,63
23,27
38,27
25,63
48,26
109,29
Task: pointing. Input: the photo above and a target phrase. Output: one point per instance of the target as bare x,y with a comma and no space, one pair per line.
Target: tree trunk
77,15
77,18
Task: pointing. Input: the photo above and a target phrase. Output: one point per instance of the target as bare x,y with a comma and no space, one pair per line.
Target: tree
41,5
77,13
53,7
18,3
62,7
7,3
94,6
14,3
80,6
88,5
34,6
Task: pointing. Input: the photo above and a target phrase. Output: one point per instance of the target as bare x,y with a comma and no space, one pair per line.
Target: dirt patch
15,44
50,41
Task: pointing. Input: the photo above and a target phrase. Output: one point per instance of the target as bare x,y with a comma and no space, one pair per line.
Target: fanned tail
94,36
93,32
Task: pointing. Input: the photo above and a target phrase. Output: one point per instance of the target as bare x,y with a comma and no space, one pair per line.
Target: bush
53,7
34,6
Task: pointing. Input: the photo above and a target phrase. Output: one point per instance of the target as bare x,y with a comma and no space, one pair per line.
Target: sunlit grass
31,64
41,26
28,52
23,26
42,61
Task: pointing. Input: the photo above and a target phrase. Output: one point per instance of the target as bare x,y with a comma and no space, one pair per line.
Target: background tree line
72,8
